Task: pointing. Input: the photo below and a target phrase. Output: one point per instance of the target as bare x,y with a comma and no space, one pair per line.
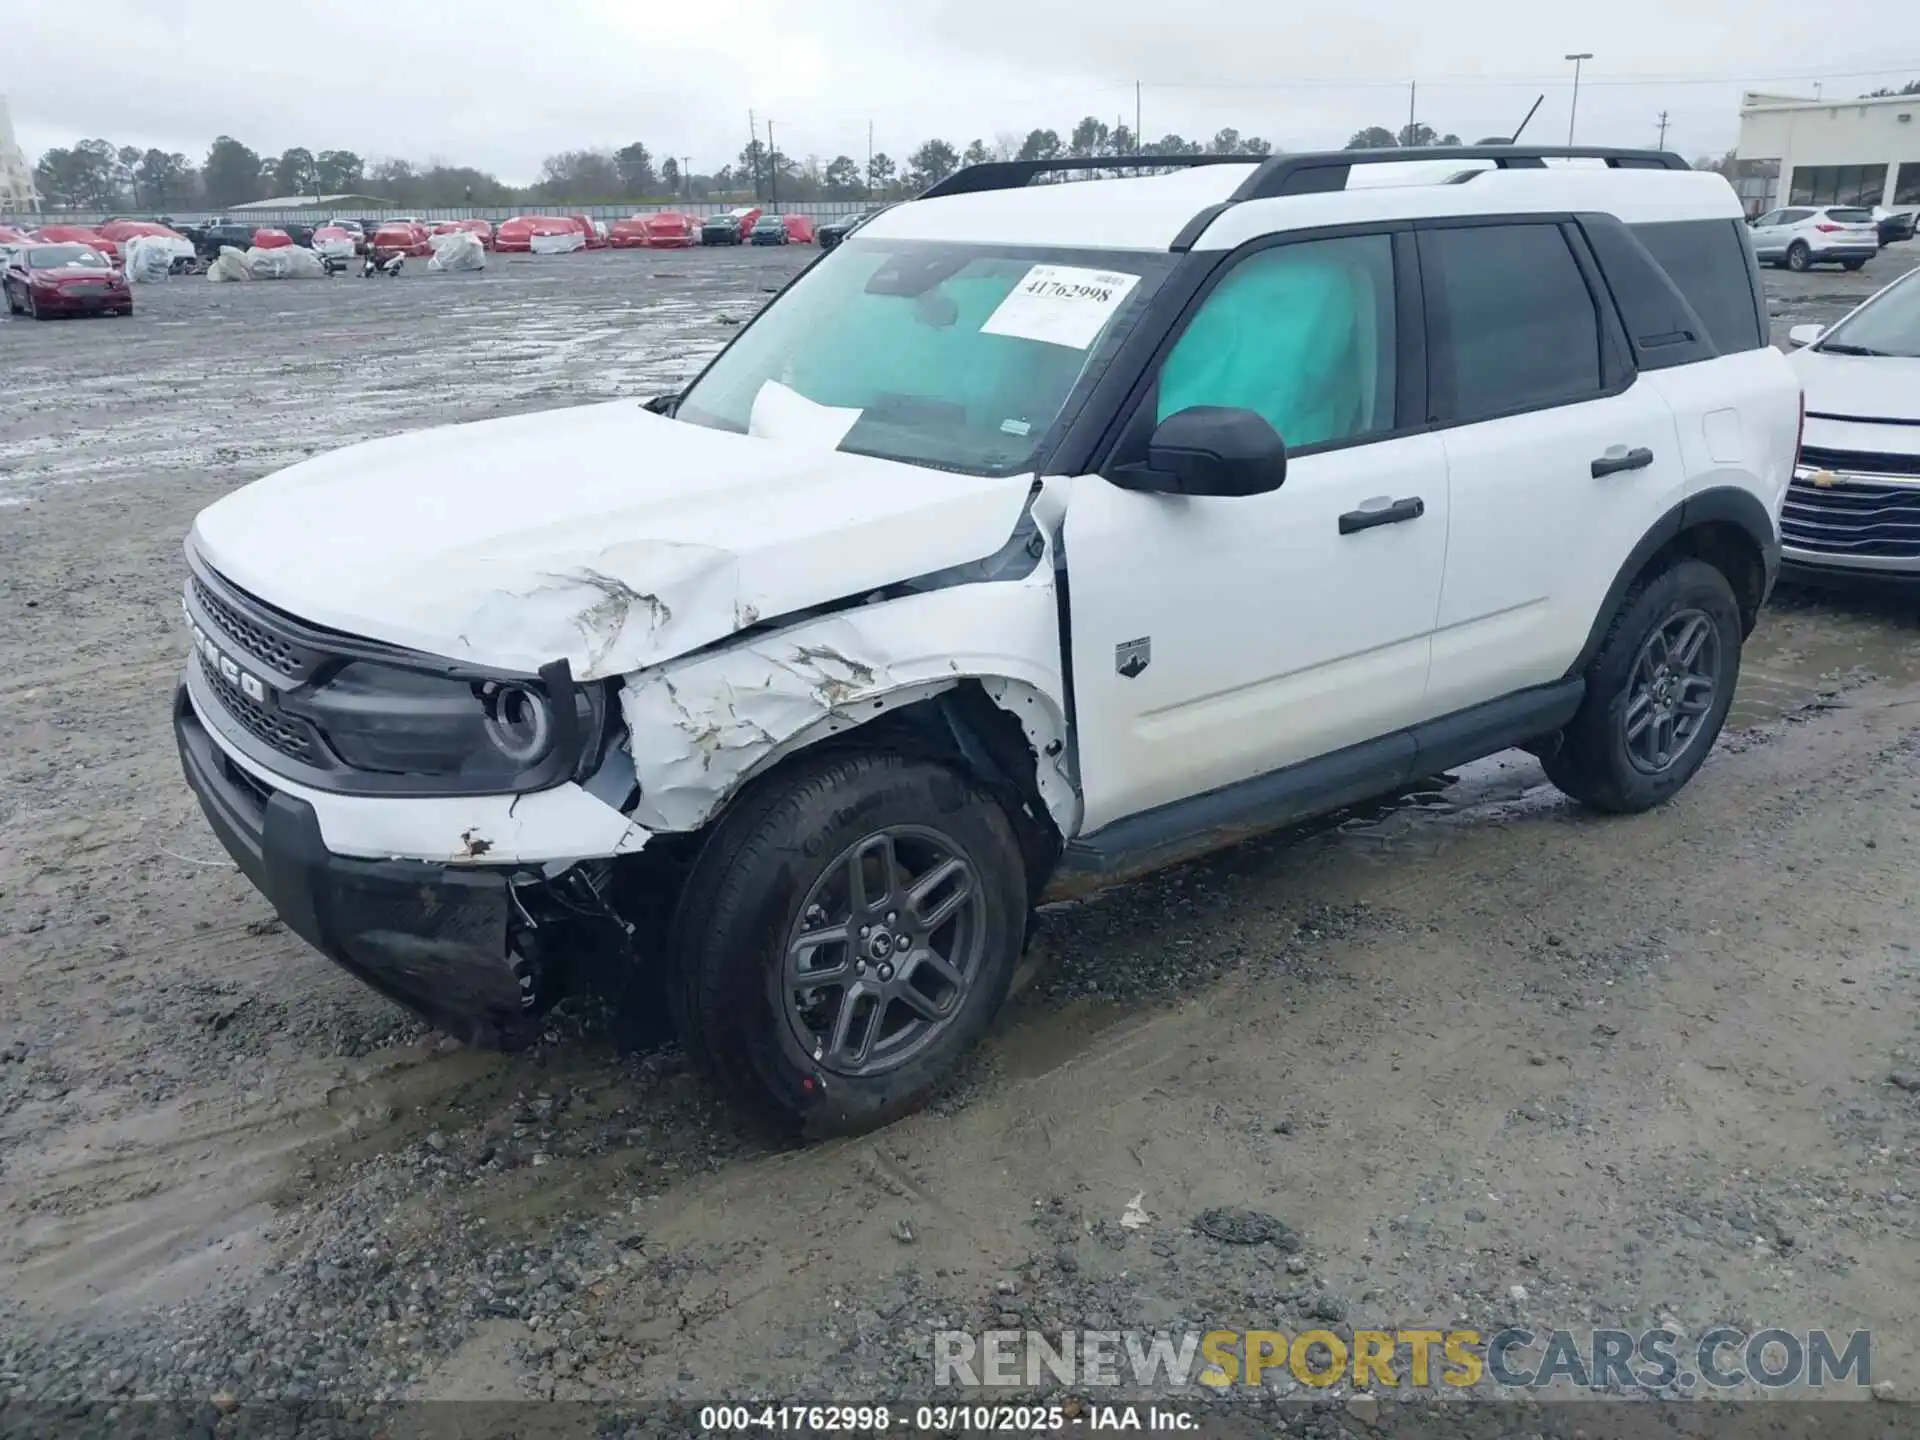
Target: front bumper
65,301
1813,567
433,938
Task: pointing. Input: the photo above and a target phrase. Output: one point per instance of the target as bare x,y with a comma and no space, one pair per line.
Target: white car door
1219,638
1555,471
1764,233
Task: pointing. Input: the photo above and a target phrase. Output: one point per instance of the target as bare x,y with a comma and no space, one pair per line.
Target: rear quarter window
1709,261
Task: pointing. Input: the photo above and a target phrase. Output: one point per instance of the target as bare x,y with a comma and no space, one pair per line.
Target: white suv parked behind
1803,236
1033,538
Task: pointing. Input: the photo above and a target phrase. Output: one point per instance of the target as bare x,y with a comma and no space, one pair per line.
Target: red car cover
408,239
518,233
77,235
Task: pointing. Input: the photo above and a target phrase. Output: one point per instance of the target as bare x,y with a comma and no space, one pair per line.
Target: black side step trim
1187,829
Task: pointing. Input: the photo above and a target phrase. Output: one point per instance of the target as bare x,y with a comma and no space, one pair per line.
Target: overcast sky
500,85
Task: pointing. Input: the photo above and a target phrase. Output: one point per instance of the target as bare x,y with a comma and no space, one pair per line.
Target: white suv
1033,538
1803,236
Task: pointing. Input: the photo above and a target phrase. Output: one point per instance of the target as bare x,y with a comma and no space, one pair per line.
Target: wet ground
1492,1058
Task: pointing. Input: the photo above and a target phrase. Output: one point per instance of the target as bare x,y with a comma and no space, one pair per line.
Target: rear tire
779,991
1799,257
1657,692
1851,265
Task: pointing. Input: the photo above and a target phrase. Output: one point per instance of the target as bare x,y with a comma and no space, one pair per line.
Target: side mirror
1212,450
1801,335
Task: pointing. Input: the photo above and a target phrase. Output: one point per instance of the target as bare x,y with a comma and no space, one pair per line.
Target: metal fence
311,214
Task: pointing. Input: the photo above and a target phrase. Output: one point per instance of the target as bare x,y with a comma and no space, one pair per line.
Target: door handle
1636,459
1412,508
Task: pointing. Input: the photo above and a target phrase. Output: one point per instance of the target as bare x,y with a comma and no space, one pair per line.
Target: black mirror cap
1218,450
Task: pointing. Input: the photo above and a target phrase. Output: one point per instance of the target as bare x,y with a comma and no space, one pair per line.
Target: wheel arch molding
1724,525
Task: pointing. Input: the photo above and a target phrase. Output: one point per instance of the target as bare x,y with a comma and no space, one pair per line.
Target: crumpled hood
604,534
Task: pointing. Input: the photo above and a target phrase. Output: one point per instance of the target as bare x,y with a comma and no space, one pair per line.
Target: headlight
519,722
388,719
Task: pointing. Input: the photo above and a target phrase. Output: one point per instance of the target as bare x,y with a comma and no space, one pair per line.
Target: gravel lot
1490,1057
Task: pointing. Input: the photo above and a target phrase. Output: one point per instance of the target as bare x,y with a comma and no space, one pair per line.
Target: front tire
846,936
1799,257
1657,693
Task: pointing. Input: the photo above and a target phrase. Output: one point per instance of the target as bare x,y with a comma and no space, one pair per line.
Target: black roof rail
1013,174
1328,170
1304,174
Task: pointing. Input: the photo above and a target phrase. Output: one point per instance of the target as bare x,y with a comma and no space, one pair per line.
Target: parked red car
404,237
45,279
518,233
268,238
799,228
77,235
482,228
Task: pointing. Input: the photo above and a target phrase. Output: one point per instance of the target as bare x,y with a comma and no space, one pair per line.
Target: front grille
1863,462
255,639
1852,518
290,736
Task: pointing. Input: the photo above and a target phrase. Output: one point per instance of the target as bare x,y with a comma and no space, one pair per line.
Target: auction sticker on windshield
1061,305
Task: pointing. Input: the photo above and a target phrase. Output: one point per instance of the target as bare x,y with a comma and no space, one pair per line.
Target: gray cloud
501,85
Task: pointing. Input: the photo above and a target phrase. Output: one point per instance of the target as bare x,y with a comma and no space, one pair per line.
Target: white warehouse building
1799,151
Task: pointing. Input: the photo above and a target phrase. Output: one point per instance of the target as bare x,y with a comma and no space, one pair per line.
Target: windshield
959,357
66,257
1886,325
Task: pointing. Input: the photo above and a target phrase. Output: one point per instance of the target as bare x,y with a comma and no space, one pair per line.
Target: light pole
1574,109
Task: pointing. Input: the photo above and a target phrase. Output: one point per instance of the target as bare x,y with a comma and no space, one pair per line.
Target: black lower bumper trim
431,937
1850,577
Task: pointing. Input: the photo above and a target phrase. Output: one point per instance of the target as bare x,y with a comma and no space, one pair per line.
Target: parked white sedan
1853,510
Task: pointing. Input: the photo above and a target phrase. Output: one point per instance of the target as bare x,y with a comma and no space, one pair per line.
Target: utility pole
773,172
1663,130
1138,144
686,174
1574,109
753,144
1413,96
869,177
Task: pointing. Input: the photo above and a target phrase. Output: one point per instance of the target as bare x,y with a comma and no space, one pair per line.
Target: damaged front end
475,842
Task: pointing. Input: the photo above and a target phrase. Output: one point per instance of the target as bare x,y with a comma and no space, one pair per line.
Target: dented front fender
700,727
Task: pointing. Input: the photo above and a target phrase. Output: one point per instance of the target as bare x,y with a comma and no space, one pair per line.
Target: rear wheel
1799,257
1851,264
846,937
1657,693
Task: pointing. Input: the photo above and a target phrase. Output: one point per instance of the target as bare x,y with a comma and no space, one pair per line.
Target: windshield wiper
1841,347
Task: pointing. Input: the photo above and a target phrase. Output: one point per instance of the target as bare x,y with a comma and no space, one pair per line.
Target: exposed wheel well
961,727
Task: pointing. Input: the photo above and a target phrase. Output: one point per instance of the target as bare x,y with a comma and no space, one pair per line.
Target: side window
1300,334
1772,217
1794,217
1708,261
1511,324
